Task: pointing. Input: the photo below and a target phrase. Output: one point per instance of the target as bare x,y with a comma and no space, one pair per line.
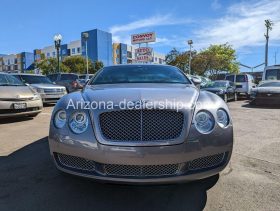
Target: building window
53,54
78,50
73,51
48,55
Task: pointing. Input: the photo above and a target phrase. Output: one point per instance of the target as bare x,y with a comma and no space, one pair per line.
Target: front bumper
199,149
33,107
51,97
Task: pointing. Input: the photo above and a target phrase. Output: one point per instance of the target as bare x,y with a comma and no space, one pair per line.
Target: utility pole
268,24
85,37
190,42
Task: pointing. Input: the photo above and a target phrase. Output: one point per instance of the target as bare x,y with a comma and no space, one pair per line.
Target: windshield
9,80
240,78
272,74
216,84
270,84
35,79
140,74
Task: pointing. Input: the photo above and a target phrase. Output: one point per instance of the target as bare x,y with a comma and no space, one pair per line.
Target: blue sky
30,24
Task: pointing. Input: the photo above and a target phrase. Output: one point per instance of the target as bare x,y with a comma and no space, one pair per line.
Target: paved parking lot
29,180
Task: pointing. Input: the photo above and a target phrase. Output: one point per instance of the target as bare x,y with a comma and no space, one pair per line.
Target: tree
98,65
78,64
214,60
48,66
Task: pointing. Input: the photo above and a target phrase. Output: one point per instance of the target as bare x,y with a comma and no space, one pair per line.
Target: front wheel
235,96
225,98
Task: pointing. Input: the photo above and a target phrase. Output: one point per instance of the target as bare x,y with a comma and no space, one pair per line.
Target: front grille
238,86
141,125
206,162
54,90
76,162
142,171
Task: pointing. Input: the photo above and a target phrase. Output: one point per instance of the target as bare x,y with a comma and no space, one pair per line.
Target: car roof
26,74
221,81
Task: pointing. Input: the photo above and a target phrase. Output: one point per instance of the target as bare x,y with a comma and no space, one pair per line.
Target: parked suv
243,82
69,80
271,73
49,92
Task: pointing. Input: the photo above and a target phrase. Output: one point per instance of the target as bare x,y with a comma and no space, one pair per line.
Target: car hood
267,89
46,86
213,89
15,92
178,93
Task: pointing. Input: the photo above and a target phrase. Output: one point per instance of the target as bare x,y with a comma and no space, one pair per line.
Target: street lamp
85,37
57,43
190,42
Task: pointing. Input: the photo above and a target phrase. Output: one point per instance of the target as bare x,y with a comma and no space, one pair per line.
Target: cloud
157,20
242,25
215,5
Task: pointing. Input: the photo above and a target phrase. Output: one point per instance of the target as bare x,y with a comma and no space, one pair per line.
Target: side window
52,77
230,78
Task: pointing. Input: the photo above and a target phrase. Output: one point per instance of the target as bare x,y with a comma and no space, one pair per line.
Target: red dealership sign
143,38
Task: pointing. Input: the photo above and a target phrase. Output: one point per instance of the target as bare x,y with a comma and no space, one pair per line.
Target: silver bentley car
141,124
17,99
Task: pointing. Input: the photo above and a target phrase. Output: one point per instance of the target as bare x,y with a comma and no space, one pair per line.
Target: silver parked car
17,99
50,92
141,124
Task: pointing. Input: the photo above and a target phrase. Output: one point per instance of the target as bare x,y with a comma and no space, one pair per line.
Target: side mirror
197,81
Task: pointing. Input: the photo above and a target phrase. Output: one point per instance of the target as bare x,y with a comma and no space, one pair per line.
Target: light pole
268,25
57,43
190,42
85,37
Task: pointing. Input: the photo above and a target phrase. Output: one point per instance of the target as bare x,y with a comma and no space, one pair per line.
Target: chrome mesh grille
141,125
140,171
76,162
53,90
206,162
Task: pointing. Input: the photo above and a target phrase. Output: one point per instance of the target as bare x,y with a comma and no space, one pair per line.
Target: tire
235,97
225,98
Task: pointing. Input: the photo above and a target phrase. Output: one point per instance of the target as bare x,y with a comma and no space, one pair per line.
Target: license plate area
19,106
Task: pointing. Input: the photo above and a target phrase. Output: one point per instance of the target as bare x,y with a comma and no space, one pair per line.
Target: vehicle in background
271,73
83,79
68,80
49,92
204,81
225,89
266,93
243,82
18,99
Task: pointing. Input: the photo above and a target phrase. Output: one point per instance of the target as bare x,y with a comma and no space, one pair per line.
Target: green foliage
48,66
211,61
73,64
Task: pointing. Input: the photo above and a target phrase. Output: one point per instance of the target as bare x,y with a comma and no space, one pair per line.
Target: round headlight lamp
204,121
60,119
222,118
78,122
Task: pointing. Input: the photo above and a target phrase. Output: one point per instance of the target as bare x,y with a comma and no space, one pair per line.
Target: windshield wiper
11,85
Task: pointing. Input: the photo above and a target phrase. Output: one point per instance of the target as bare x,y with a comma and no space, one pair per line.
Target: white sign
144,58
143,38
144,51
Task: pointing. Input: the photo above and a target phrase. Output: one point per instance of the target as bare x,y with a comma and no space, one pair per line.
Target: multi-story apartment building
17,62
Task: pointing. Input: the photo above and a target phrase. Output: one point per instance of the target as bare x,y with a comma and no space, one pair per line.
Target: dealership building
99,48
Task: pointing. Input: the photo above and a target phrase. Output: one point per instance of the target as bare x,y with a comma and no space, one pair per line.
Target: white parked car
271,73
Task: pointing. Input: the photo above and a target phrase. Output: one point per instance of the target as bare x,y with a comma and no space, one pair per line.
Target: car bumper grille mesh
78,164
206,162
141,125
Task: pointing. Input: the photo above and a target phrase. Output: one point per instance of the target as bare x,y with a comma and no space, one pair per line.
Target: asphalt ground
251,181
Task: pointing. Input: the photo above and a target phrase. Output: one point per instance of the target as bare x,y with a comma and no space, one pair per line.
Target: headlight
222,118
39,90
36,96
204,121
220,92
60,119
78,122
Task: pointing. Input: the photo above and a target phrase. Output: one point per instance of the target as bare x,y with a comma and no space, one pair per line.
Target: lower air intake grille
140,171
206,162
76,162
